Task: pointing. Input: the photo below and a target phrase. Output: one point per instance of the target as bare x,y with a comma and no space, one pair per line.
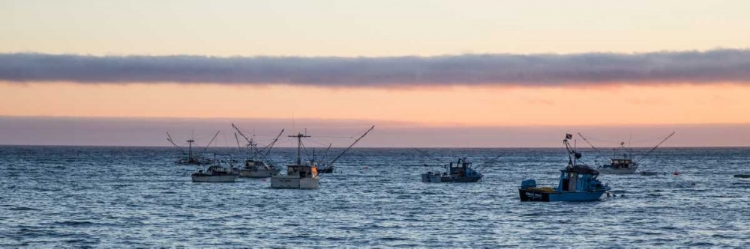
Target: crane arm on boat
169,138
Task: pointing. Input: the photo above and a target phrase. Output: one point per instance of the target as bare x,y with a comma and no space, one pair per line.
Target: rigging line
335,137
598,152
488,162
430,156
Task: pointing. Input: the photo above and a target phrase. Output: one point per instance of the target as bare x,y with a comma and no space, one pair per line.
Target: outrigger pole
270,146
657,146
212,140
485,163
587,141
249,141
350,146
169,138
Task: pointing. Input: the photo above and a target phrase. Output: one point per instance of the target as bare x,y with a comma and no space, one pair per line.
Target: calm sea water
136,197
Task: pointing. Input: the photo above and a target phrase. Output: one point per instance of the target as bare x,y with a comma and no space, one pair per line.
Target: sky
425,73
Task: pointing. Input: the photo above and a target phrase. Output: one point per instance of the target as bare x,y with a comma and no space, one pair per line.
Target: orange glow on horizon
427,106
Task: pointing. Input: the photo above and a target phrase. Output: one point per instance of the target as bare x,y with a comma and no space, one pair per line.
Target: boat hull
546,196
286,182
216,178
258,173
439,178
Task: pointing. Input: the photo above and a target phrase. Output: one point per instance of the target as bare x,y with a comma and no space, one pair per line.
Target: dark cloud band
726,65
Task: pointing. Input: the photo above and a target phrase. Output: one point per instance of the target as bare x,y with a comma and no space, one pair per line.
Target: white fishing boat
304,175
190,157
620,165
216,173
258,169
257,165
299,175
622,162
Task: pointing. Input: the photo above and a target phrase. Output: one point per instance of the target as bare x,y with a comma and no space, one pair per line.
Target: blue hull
531,195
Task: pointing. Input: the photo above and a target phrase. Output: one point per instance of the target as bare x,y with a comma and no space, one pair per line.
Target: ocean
58,196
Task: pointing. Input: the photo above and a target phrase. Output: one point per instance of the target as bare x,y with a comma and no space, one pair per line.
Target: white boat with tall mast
304,175
623,164
298,175
257,164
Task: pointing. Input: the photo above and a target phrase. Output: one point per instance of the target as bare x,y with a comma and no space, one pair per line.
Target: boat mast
190,148
299,137
572,154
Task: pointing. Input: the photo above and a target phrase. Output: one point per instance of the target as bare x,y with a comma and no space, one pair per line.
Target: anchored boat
622,165
257,165
215,173
459,171
304,175
299,175
577,183
191,158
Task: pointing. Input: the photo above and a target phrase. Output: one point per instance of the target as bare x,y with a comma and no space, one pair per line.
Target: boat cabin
461,168
303,171
621,163
579,178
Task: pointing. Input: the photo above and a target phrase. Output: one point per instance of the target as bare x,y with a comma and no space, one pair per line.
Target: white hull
220,178
259,173
292,182
620,171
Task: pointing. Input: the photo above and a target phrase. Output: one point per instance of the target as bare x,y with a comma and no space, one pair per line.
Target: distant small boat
190,157
649,173
215,174
742,176
622,165
577,183
460,171
257,165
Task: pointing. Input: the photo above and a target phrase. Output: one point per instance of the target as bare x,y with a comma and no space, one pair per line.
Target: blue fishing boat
578,182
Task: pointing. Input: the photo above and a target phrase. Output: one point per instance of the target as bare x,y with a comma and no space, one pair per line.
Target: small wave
23,209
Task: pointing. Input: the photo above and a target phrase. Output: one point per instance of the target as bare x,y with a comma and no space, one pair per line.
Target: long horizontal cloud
726,65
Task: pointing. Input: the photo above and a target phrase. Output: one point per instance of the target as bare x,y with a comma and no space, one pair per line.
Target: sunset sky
477,73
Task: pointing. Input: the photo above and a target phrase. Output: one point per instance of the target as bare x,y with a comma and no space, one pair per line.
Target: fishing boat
459,171
216,173
304,175
578,183
190,157
298,175
257,165
622,164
